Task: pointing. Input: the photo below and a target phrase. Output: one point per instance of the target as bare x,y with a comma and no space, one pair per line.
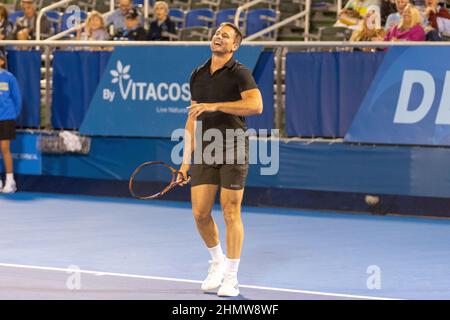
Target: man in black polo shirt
223,93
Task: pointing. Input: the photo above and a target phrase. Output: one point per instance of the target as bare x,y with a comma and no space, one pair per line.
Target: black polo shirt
225,85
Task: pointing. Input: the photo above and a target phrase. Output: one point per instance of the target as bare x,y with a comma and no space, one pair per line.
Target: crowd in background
396,20
125,23
370,20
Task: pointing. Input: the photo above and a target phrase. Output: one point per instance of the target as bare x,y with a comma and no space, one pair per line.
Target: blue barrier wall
319,166
76,75
324,90
26,66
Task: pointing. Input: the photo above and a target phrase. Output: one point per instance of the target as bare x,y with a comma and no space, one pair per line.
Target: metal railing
302,14
280,49
53,6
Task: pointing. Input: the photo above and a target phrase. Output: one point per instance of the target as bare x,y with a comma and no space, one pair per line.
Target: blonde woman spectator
370,27
410,26
95,28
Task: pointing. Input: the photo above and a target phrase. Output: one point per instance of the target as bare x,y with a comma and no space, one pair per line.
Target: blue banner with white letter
409,100
145,90
26,154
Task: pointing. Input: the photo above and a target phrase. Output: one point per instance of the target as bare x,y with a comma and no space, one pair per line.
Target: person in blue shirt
118,17
10,106
133,30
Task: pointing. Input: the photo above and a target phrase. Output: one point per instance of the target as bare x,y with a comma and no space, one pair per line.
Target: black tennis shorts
7,129
228,176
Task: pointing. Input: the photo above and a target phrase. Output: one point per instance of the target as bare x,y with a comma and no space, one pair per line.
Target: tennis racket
153,179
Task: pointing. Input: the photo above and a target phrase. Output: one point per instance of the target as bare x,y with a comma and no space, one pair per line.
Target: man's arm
250,104
189,145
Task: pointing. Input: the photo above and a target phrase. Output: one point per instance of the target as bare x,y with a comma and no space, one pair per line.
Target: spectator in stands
94,29
387,8
117,18
10,106
132,31
370,28
437,20
354,12
25,27
162,26
394,18
410,26
5,25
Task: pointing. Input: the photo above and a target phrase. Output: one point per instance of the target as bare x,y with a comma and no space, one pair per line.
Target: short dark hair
236,30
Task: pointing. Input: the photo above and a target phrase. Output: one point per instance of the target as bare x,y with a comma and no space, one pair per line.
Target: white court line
102,273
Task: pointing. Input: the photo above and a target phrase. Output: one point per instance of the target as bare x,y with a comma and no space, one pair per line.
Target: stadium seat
54,17
181,4
227,15
200,18
13,16
66,16
195,34
177,16
260,19
334,34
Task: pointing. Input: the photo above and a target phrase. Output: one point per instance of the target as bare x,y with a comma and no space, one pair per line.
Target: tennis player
10,105
223,93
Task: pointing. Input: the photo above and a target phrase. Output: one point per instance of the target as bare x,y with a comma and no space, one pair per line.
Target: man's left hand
197,109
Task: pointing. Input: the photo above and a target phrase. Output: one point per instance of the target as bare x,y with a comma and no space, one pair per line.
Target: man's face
131,23
160,12
224,41
28,9
124,6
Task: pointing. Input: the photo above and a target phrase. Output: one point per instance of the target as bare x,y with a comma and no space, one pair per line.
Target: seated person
370,27
162,25
133,30
117,18
94,29
432,12
410,26
25,27
353,13
5,25
394,18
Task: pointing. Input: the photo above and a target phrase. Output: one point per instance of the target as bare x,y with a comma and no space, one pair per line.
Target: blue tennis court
130,249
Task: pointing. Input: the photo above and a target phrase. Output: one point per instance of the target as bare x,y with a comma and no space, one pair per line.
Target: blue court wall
324,90
26,67
409,171
78,74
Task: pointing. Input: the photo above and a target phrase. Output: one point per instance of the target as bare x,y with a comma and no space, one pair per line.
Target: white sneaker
10,187
230,286
1,185
215,275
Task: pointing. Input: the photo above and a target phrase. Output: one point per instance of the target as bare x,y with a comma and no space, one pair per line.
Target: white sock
232,266
9,177
216,253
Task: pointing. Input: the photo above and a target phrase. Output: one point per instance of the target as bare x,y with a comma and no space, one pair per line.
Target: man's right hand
183,178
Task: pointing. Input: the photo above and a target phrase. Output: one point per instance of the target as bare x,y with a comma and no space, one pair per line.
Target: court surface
81,247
